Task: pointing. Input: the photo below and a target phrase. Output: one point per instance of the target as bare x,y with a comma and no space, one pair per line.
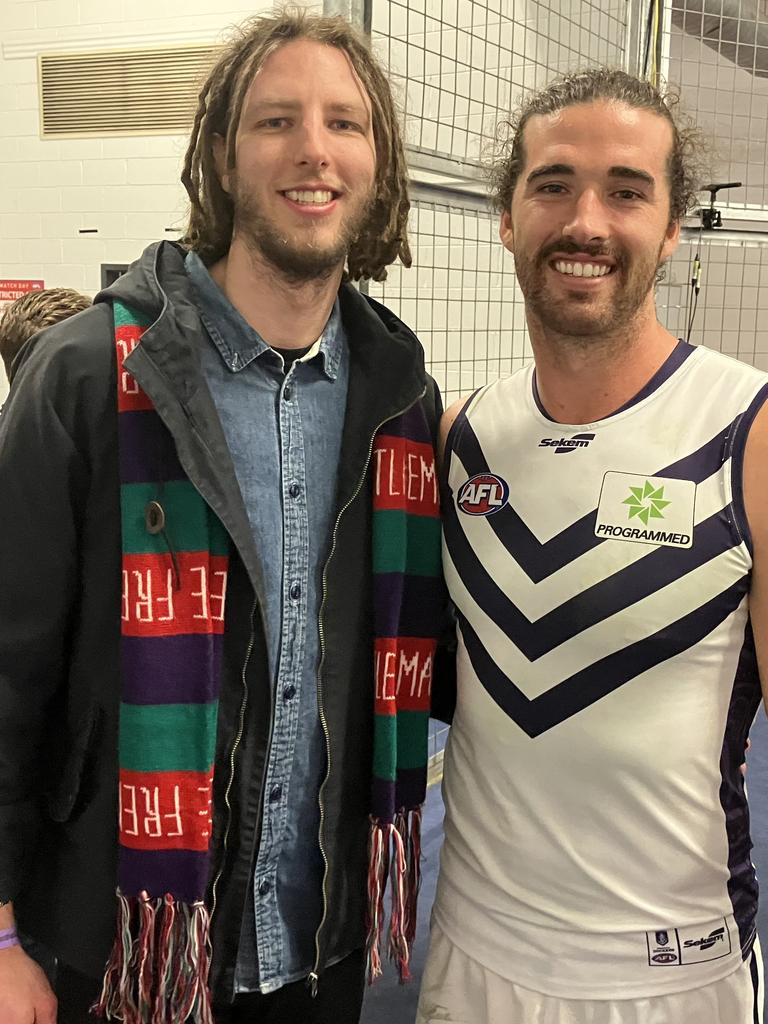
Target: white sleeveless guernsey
597,832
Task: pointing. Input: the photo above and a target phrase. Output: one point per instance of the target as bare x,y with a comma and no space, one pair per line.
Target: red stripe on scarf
403,674
165,810
405,477
153,606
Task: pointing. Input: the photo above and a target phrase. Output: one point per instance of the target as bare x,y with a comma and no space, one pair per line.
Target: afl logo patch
483,494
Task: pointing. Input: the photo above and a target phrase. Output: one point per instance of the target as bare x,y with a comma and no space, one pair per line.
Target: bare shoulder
447,420
756,479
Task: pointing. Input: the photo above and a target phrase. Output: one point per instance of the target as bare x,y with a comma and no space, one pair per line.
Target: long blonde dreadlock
384,235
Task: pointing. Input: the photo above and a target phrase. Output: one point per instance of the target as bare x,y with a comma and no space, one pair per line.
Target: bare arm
756,503
25,995
447,421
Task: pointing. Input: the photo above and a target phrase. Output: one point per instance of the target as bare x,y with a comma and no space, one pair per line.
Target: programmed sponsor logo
646,510
483,494
564,445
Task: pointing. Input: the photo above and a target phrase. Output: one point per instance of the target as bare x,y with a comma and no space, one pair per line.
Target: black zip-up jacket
60,617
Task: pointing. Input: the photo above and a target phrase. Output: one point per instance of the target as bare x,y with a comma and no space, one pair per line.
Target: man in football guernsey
606,549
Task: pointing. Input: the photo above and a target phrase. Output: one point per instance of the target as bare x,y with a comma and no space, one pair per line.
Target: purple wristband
9,937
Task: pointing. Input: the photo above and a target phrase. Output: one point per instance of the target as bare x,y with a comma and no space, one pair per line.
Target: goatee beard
585,326
296,263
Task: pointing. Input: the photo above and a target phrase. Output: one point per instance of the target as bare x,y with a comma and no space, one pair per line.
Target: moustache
564,248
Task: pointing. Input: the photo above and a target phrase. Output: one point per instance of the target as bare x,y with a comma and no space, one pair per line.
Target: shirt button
294,490
275,793
265,887
295,592
287,393
289,692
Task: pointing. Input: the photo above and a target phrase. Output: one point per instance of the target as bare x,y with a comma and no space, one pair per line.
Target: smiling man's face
589,222
305,160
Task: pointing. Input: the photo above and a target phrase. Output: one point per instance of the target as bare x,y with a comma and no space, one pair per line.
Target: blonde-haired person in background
235,649
31,313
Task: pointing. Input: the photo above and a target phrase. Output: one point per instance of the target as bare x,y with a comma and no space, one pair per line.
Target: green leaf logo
646,502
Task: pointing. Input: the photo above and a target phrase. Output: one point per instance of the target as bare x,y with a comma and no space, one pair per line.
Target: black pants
339,999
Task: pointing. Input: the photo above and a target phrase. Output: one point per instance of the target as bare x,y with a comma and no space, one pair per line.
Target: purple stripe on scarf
147,451
171,669
407,605
182,873
387,798
412,424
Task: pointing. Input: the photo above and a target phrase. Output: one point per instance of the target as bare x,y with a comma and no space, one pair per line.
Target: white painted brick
109,225
125,250
129,146
89,250
165,199
20,123
27,271
40,250
105,172
27,97
61,173
71,276
30,148
9,202
81,149
154,172
18,175
93,12
39,200
82,200
19,15
63,225
145,225
19,70
56,13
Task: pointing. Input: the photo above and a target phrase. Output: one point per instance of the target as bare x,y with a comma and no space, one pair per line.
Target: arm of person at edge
40,470
444,691
756,505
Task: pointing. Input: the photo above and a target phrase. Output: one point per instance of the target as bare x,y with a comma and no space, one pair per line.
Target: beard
297,257
582,316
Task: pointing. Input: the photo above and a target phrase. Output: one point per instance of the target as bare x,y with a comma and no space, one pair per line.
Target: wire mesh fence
459,66
461,296
731,309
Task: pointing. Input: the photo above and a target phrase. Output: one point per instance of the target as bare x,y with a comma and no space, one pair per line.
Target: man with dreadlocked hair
220,548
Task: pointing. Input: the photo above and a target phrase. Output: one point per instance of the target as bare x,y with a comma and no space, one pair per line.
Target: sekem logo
483,494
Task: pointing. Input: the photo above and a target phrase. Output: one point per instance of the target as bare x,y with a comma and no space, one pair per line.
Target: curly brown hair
384,236
32,312
589,86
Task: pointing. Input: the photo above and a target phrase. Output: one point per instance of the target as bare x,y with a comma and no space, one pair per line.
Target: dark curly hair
384,236
594,84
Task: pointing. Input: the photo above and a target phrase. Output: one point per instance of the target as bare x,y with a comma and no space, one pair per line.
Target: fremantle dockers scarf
174,575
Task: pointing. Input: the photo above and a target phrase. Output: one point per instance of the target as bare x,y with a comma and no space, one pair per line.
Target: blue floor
387,1002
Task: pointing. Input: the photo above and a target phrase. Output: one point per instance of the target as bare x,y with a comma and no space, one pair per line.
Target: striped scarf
175,556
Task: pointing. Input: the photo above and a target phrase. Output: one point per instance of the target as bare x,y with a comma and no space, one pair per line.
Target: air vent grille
125,92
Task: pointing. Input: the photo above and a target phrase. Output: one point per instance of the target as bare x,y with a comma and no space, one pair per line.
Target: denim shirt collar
237,342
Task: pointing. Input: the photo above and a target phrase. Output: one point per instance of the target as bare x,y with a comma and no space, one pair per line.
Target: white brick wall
126,188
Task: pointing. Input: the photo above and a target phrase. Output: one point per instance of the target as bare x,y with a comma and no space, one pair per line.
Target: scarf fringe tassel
157,972
394,852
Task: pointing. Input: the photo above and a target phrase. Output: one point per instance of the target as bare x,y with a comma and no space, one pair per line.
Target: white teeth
582,269
303,196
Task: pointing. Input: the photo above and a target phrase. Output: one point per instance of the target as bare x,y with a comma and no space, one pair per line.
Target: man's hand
25,995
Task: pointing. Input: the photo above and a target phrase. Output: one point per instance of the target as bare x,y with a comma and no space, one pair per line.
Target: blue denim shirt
284,434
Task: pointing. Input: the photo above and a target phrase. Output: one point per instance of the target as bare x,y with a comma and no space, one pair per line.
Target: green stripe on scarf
184,737
194,528
407,733
407,543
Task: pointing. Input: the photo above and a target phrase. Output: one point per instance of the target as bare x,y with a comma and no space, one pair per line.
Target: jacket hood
158,278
